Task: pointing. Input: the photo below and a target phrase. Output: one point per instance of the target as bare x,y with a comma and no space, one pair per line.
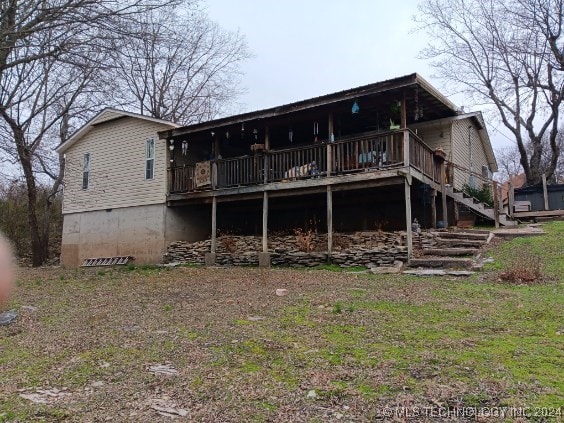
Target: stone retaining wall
368,249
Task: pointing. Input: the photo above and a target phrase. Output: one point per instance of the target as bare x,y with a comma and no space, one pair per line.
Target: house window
150,159
86,171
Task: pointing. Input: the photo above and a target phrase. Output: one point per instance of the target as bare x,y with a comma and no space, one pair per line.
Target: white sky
307,48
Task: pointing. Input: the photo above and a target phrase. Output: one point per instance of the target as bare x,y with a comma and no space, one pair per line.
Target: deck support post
443,194
329,145
266,164
210,258
264,256
329,222
545,191
409,231
434,208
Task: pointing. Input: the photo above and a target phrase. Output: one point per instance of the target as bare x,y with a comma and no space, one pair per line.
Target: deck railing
181,179
370,152
246,170
422,158
297,163
373,152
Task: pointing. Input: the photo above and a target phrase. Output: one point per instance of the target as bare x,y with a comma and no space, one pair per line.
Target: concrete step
438,272
441,262
473,231
449,251
460,242
470,235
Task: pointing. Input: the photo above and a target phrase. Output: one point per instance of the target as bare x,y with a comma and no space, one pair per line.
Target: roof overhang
411,80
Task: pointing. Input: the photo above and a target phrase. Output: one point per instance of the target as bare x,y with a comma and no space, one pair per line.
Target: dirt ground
338,347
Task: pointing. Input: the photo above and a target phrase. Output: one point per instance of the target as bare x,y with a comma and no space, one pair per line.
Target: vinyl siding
461,153
436,136
117,166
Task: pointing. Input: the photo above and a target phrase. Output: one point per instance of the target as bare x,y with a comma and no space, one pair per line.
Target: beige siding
436,136
472,158
117,167
106,116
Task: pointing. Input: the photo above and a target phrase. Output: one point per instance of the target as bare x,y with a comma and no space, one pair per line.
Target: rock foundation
368,249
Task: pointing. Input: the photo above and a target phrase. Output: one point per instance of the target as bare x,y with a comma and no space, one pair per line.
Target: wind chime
315,132
290,135
184,147
418,110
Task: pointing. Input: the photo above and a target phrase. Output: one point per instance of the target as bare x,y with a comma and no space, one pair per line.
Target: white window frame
86,159
149,159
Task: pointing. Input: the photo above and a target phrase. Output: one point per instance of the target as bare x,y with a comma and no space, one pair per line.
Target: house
115,184
370,158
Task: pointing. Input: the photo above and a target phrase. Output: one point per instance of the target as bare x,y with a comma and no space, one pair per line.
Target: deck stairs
477,207
452,249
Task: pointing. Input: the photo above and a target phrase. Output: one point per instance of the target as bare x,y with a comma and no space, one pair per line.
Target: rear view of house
370,158
115,189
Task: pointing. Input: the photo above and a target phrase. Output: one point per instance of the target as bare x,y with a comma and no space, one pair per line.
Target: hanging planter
395,112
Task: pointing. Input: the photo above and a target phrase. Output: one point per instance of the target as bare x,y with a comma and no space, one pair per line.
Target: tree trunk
37,252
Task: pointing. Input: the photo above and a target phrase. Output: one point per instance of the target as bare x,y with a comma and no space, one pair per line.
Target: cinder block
210,259
264,259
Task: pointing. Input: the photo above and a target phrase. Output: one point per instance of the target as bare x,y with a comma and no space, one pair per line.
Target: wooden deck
367,161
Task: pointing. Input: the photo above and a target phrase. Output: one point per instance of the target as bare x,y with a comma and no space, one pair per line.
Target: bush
304,240
527,268
483,194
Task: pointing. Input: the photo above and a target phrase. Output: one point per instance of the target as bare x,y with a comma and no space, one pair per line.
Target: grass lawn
339,347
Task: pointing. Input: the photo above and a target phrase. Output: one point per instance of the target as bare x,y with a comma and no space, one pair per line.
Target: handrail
370,151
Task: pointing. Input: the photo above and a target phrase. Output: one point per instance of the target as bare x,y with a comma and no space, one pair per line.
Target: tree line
62,61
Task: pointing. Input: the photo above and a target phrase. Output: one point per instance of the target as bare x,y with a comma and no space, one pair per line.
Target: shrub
228,243
304,240
483,194
526,268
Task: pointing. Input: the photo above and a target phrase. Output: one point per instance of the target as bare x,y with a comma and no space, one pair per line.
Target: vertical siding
462,151
117,167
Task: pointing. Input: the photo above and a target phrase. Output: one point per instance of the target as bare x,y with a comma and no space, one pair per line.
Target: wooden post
403,123
214,225
329,146
511,199
265,222
443,194
406,148
408,217
265,163
433,208
545,192
266,138
496,203
329,221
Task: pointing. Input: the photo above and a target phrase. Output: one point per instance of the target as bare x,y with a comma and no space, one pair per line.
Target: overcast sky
307,48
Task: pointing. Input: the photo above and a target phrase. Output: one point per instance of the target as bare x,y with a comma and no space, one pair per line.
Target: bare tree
508,159
78,23
509,53
183,67
39,100
50,58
